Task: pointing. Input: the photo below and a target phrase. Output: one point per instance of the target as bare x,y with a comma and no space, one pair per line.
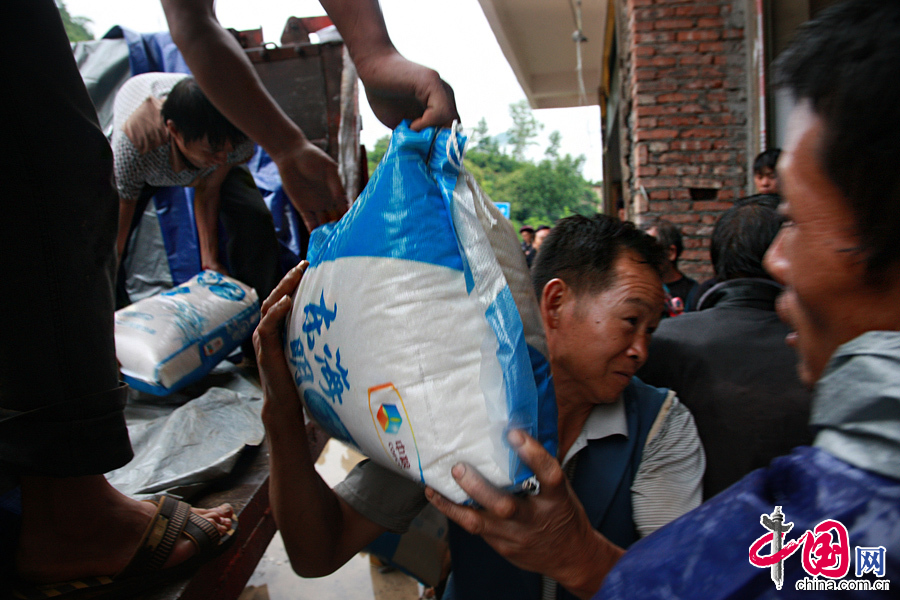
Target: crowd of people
680,430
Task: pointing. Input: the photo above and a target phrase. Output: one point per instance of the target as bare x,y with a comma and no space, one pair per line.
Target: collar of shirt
605,420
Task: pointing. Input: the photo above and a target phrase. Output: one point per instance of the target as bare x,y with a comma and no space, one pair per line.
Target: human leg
61,406
252,248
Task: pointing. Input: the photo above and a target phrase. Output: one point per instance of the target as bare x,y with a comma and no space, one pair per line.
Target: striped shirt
143,151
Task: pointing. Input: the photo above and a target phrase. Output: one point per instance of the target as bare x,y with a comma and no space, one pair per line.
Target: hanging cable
579,38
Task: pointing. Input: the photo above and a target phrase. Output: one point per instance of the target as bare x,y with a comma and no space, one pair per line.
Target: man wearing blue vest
631,451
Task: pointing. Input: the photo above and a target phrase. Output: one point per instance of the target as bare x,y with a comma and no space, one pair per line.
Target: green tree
552,151
76,27
375,155
550,190
524,130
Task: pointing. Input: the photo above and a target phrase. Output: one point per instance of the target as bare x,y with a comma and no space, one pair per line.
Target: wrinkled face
603,338
766,181
199,152
816,254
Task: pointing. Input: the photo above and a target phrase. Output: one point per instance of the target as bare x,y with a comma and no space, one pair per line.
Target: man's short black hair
766,160
195,117
668,234
541,228
846,63
582,251
769,200
740,239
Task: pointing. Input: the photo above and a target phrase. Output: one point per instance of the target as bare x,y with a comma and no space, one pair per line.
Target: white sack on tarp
169,340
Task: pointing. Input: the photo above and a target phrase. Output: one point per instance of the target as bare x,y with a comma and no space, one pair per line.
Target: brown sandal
173,519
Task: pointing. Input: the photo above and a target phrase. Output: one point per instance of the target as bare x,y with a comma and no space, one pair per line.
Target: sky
451,36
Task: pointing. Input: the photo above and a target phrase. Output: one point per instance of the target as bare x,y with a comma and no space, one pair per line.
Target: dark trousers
61,405
251,250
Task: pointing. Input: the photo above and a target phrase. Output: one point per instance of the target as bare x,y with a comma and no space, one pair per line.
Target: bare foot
83,527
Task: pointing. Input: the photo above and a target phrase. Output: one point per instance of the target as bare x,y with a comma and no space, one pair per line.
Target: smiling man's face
817,254
603,338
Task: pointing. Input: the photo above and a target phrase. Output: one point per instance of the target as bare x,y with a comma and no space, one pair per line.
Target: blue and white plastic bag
407,338
174,338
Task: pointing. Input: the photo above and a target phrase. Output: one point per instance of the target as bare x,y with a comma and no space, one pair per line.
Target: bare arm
548,533
397,88
310,177
206,214
320,531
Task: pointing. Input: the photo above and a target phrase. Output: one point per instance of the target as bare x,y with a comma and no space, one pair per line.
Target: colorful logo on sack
394,428
826,553
389,418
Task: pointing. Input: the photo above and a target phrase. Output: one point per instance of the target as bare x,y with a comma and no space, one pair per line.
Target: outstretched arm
320,531
397,88
310,177
548,533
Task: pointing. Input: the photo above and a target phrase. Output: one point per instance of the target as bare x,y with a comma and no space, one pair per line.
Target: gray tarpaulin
181,449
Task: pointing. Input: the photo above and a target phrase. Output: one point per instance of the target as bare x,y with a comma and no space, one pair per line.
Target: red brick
645,98
698,35
695,255
679,121
654,111
711,205
696,59
643,26
655,134
674,157
709,219
647,122
654,85
641,154
683,218
655,37
678,49
659,61
679,170
681,73
702,132
667,98
674,24
701,183
658,147
733,34
649,171
704,84
669,206
659,195
696,243
660,182
691,145
644,51
645,74
653,13
726,195
711,47
717,120
681,194
696,11
728,170
716,22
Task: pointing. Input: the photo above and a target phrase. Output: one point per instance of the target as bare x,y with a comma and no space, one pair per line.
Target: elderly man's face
601,340
816,253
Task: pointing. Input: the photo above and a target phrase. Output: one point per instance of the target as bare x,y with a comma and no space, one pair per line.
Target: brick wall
685,105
